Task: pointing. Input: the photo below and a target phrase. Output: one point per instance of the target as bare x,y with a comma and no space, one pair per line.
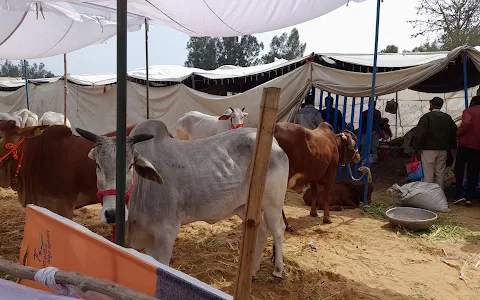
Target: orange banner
51,240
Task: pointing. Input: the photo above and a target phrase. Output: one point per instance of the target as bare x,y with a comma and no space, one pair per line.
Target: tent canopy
36,29
43,29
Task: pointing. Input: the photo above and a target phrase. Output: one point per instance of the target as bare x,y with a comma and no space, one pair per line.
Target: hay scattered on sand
356,257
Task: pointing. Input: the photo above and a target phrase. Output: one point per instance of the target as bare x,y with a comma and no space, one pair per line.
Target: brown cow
50,169
313,157
345,195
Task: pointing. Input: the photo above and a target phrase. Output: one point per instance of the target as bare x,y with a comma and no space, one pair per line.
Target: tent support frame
368,139
121,120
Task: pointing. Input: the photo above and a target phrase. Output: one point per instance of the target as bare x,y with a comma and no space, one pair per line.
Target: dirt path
356,257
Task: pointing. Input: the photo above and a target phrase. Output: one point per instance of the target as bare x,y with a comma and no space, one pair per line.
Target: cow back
202,178
56,166
311,152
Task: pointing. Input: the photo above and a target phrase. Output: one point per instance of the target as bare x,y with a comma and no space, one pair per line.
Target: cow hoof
327,220
314,214
277,278
289,228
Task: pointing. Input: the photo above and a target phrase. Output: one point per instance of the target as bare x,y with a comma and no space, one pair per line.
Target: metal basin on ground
411,218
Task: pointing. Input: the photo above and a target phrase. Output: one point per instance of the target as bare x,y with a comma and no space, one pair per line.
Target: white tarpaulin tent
91,105
34,29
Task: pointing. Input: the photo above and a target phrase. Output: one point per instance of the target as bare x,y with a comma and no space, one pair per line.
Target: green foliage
286,46
209,53
453,23
390,49
8,69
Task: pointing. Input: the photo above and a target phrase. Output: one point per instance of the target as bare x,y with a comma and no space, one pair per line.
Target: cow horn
140,138
243,109
88,135
231,108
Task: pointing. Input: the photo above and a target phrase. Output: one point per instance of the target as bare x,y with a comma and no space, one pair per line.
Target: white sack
422,195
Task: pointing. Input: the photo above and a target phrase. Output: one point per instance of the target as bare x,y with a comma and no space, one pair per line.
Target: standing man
377,127
468,152
308,116
435,135
331,118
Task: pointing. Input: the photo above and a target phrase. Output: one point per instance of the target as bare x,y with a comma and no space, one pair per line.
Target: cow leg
288,227
327,193
259,246
277,228
313,206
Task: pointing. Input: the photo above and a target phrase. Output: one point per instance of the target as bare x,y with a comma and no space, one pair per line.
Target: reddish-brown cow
50,169
345,195
313,157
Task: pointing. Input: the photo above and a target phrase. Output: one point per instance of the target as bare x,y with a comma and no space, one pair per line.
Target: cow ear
245,114
224,117
92,154
29,132
145,169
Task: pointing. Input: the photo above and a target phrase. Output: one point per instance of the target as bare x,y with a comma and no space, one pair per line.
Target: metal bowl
411,218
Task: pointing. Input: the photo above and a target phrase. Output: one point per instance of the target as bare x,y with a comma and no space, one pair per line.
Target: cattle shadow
213,258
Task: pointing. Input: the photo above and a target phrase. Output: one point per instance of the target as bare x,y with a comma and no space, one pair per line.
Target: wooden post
65,89
83,282
253,214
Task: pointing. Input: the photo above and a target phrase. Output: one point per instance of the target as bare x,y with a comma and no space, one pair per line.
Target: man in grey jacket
434,136
308,116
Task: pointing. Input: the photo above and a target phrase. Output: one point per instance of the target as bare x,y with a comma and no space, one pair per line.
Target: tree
427,47
8,69
285,46
390,49
210,53
202,53
453,22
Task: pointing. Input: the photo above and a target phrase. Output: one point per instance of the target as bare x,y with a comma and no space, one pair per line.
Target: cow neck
14,149
341,143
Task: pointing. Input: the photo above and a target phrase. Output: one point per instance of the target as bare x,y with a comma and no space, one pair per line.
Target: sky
349,29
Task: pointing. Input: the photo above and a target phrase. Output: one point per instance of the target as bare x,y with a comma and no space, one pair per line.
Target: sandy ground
359,256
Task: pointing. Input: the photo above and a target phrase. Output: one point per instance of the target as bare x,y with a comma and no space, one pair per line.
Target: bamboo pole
65,89
253,214
85,283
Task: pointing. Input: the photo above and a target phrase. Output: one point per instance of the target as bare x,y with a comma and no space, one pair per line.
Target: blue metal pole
465,79
352,120
360,132
320,105
335,116
343,129
25,71
370,104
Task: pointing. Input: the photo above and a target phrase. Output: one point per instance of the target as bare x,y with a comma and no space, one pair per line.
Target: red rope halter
14,151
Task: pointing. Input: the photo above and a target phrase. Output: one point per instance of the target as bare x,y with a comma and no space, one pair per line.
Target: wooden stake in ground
253,215
85,283
65,89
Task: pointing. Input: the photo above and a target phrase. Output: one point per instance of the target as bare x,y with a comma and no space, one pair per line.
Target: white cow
9,117
195,125
203,180
26,117
53,118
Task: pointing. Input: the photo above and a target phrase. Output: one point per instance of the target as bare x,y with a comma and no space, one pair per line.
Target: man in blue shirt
331,118
308,116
